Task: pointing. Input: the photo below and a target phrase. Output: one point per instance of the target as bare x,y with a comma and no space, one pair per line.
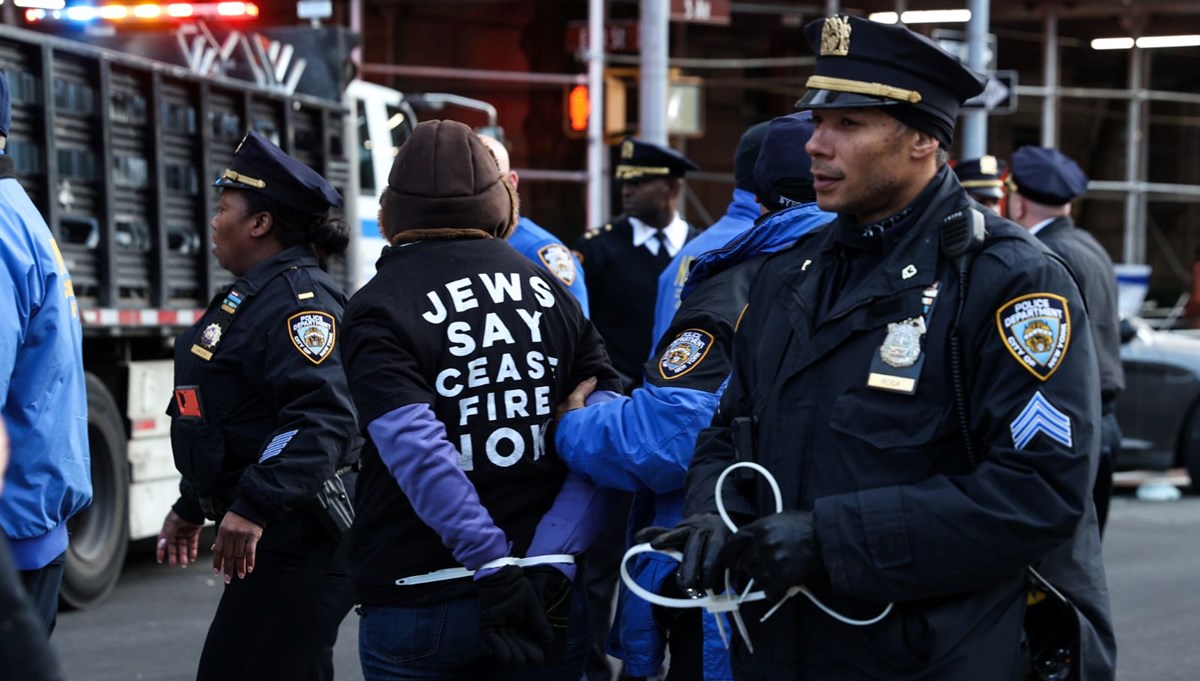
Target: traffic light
578,107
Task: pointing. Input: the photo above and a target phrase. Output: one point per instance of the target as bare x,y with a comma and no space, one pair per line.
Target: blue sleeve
15,298
640,442
571,523
412,443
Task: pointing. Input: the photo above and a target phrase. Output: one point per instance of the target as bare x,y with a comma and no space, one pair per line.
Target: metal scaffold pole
652,92
596,214
975,124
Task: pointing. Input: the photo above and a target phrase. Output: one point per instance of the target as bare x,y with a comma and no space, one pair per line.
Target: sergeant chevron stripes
1039,416
277,444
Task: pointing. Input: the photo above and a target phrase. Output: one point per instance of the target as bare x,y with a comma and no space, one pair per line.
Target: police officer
642,443
982,178
739,216
262,425
624,258
1044,182
920,378
458,349
535,242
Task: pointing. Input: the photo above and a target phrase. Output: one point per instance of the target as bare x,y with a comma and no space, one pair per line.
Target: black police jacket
262,414
902,513
1093,270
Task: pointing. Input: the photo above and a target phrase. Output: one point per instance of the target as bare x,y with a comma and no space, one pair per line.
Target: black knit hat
747,154
444,177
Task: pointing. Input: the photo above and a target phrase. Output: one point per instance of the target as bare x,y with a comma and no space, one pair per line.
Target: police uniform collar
260,274
676,232
882,235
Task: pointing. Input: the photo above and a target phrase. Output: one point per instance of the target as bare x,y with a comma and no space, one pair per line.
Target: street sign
701,11
620,35
999,97
955,42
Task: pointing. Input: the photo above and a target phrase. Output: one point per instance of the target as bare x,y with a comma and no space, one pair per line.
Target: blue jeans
442,641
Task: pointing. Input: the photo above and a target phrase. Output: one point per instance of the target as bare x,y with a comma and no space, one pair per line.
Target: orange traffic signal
578,107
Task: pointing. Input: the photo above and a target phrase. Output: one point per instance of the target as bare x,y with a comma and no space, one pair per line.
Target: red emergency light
146,12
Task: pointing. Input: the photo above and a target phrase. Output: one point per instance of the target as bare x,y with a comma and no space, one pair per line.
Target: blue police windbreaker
545,249
743,210
42,393
643,443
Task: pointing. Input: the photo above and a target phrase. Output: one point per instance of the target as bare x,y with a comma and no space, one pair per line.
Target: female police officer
262,424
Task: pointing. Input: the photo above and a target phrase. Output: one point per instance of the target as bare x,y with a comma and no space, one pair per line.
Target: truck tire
100,534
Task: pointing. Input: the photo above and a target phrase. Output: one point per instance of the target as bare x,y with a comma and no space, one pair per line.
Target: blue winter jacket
743,210
643,442
42,393
547,250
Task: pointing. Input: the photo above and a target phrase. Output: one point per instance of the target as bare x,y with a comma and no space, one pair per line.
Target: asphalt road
153,626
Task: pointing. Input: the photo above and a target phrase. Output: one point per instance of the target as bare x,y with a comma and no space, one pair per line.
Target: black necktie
663,256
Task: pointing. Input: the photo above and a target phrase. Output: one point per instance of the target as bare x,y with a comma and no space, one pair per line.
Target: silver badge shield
902,346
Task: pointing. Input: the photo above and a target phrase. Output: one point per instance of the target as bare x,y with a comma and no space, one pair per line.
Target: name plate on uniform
898,384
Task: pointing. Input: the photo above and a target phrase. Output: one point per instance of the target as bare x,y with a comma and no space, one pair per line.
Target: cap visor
834,99
989,192
231,184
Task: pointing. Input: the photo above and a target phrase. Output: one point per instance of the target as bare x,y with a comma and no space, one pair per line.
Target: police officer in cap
623,259
263,428
1044,181
981,177
919,377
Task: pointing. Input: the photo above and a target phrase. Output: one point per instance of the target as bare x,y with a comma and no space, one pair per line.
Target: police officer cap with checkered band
862,63
260,166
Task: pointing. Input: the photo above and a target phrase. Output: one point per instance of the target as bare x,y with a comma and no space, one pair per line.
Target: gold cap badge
988,165
835,37
627,149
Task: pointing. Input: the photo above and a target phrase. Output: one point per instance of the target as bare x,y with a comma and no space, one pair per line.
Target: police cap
862,63
1046,176
645,160
783,174
981,176
259,165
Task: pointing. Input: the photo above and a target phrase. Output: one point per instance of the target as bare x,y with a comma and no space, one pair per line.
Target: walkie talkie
963,232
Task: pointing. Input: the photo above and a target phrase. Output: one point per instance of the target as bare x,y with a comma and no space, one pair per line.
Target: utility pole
975,123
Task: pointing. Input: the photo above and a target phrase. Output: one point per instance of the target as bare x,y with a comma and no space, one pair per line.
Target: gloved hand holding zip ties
779,552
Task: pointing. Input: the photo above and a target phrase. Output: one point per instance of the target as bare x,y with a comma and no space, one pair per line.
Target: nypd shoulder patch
684,353
1036,329
314,334
1039,416
559,261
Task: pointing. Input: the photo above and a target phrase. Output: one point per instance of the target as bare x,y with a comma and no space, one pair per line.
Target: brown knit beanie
445,178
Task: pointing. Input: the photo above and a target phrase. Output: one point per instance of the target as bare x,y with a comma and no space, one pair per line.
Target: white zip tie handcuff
731,601
460,572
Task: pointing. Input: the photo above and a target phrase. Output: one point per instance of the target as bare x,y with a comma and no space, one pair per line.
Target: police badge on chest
896,367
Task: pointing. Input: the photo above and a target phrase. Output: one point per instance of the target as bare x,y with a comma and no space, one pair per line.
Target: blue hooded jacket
643,442
743,210
545,249
42,392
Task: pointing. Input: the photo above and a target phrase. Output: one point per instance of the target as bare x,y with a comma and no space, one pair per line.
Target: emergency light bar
146,12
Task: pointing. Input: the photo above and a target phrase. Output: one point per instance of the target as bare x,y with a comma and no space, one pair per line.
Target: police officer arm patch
313,333
1040,416
1036,330
684,353
559,261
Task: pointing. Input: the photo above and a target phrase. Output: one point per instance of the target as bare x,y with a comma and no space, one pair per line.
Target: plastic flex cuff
461,572
730,601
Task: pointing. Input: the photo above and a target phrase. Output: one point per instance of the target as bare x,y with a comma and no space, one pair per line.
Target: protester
263,428
919,376
455,381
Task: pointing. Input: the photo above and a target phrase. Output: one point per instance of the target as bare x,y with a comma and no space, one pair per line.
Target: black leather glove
511,621
779,551
554,590
699,539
